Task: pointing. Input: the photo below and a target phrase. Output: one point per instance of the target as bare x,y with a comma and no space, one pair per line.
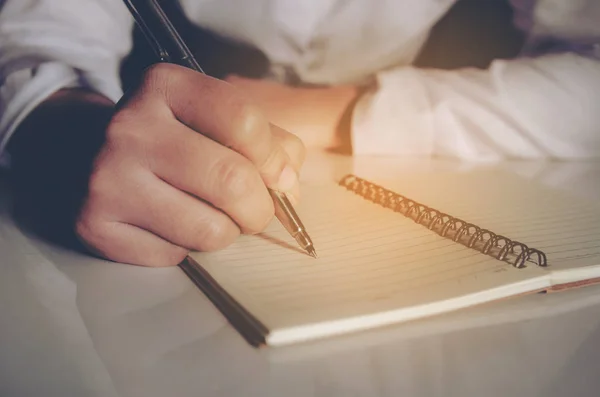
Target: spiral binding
468,234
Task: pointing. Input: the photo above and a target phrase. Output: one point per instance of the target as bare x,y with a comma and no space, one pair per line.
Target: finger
180,218
291,144
126,243
296,152
223,113
200,166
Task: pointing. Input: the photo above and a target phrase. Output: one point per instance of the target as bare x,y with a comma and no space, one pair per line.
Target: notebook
394,251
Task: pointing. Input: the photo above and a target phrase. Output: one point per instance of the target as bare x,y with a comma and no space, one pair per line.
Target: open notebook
385,258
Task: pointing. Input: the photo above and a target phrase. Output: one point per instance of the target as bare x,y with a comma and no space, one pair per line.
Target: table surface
72,325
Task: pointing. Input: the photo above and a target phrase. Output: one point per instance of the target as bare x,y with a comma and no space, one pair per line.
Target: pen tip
312,252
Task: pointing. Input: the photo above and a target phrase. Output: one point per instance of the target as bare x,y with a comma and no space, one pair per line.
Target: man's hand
312,113
184,165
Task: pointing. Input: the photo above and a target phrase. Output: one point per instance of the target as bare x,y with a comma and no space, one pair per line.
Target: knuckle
236,179
216,235
248,123
158,75
133,135
122,118
163,82
122,126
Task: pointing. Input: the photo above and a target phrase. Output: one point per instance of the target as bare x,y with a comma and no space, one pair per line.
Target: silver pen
158,30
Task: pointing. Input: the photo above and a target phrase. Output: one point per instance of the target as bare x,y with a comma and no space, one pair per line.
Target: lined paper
370,260
566,228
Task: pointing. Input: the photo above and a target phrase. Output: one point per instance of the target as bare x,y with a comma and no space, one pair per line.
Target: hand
313,114
158,188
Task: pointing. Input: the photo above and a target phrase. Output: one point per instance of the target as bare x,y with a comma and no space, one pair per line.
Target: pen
170,47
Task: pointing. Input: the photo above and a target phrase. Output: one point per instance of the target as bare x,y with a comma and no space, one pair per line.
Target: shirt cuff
24,89
386,122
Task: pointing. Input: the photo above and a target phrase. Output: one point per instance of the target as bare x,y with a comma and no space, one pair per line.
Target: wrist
347,98
327,111
343,131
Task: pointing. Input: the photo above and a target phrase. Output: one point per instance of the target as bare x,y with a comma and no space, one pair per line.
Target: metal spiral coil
465,233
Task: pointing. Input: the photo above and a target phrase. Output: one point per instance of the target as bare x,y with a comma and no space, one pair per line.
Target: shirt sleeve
52,44
541,105
526,108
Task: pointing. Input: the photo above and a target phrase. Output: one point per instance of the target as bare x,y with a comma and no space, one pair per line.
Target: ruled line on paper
383,252
368,252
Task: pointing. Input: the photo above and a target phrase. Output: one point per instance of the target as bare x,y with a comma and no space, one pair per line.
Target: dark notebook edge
247,325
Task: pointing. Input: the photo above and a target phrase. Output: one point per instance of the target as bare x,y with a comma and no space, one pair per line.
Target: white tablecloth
72,325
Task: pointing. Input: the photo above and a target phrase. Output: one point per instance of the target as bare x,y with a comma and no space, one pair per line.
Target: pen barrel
284,211
161,33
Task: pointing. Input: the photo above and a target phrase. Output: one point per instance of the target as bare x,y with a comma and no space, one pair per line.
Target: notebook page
370,260
566,228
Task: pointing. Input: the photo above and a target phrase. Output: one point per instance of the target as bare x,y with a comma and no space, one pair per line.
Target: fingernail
287,179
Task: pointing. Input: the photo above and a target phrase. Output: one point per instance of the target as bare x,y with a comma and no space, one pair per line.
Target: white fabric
541,105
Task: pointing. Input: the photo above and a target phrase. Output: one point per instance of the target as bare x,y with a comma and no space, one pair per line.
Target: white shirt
543,104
